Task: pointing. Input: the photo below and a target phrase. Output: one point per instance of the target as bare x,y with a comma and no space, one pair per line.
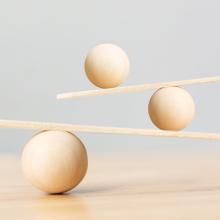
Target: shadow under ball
171,108
107,66
54,161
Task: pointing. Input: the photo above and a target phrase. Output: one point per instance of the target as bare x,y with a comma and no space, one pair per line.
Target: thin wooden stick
106,130
136,88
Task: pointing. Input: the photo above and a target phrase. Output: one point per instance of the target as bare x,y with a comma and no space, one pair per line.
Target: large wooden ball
54,161
107,66
171,108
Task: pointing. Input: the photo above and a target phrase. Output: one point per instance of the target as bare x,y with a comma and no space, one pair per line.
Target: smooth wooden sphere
171,108
54,161
107,66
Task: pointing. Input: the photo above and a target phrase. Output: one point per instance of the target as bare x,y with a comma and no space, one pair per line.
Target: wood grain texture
168,186
107,130
136,88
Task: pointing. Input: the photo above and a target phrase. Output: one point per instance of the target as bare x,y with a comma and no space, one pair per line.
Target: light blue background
42,50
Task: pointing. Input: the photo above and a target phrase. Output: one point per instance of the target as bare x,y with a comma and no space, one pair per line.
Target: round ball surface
171,108
107,66
54,161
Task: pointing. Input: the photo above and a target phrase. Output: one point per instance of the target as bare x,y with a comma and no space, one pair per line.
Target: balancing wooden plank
107,130
137,88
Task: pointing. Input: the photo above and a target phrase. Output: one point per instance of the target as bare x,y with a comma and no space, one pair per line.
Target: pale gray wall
42,49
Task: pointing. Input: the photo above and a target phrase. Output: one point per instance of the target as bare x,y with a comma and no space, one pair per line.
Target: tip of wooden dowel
59,96
64,96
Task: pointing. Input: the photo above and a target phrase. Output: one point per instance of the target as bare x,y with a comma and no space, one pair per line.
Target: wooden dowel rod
136,88
107,130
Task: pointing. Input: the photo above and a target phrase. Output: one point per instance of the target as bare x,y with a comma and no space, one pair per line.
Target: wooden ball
54,161
107,66
171,108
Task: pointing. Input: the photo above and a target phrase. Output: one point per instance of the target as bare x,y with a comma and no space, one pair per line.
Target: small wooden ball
107,66
54,161
171,108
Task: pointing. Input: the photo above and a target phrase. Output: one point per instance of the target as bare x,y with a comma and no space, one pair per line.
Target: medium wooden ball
54,161
107,66
171,108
